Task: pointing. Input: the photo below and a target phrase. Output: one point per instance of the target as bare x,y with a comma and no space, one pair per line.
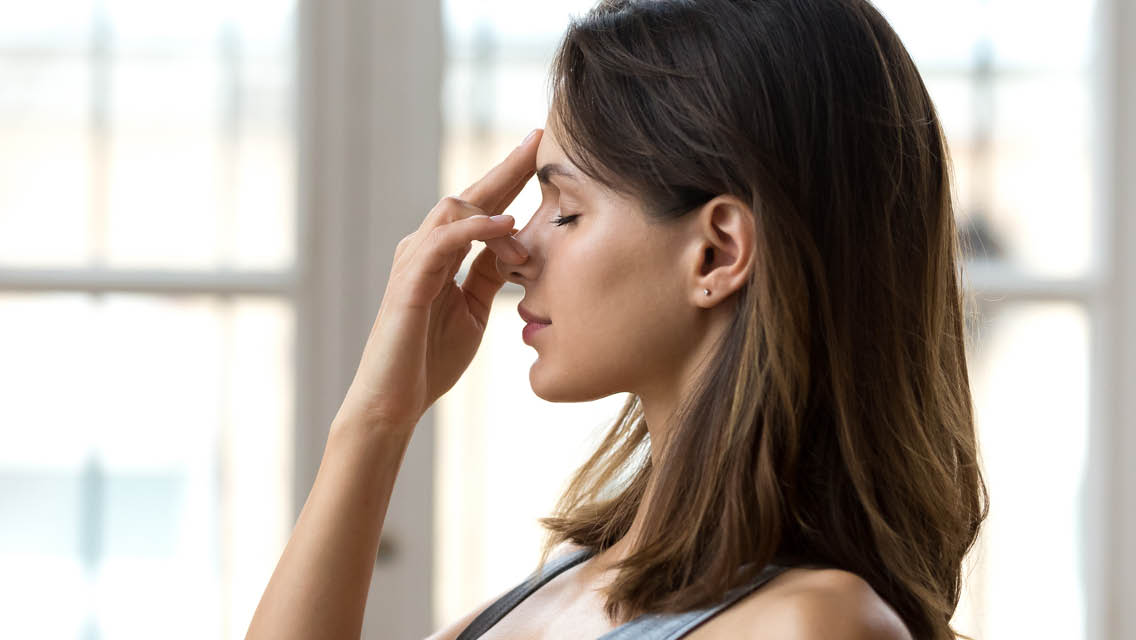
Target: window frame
1110,483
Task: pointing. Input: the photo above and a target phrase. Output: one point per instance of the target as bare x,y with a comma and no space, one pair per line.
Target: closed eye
563,220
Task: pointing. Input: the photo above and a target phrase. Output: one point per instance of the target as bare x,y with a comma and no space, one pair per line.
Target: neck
659,400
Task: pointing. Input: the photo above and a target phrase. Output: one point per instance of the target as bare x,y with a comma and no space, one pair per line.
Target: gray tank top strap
668,626
494,612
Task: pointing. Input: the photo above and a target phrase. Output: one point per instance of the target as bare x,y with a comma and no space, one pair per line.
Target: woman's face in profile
616,289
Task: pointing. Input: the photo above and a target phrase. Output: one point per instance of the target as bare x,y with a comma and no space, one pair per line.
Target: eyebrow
553,169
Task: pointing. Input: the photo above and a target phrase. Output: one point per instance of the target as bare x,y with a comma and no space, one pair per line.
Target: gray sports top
652,626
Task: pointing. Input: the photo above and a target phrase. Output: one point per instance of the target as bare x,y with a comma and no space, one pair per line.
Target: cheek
613,328
604,349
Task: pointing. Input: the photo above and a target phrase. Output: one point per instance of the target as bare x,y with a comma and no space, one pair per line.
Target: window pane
45,23
145,458
45,177
156,137
1043,195
165,167
1021,130
1030,379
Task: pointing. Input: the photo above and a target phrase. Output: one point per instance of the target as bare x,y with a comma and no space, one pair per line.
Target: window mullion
1111,517
100,280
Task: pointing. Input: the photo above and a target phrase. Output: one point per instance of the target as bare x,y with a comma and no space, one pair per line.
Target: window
146,321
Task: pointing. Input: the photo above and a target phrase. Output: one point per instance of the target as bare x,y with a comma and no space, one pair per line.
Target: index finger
496,189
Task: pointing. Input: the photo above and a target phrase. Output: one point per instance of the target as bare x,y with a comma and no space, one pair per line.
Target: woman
747,225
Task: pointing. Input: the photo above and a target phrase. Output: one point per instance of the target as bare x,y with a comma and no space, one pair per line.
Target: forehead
553,168
551,162
549,149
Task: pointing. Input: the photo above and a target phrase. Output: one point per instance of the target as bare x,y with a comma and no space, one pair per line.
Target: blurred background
199,204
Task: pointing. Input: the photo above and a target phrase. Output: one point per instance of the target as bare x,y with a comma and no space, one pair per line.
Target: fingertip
529,138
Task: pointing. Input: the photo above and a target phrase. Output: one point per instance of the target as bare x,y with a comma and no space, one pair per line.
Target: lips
528,316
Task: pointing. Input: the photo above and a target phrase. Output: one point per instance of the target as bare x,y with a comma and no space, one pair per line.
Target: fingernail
528,138
499,218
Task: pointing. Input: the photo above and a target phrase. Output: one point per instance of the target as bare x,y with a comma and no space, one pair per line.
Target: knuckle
453,203
451,208
403,245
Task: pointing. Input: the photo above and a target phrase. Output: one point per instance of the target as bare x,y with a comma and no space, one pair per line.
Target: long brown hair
835,421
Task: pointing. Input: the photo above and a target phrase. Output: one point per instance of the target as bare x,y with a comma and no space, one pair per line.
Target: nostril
508,272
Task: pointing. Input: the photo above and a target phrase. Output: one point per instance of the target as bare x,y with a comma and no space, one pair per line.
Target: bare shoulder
813,604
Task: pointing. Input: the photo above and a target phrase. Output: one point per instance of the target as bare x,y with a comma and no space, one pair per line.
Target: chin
551,387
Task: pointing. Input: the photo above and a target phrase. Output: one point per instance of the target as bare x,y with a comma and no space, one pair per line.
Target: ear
723,239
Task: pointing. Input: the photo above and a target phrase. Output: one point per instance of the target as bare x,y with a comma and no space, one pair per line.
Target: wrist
361,424
359,410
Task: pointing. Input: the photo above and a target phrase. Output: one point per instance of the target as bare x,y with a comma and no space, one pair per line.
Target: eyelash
563,220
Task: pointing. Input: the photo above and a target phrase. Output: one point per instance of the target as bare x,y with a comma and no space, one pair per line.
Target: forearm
319,587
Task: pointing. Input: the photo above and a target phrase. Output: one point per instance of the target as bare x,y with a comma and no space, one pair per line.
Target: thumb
482,284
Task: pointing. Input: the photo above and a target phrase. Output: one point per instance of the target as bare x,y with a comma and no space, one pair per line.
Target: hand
428,327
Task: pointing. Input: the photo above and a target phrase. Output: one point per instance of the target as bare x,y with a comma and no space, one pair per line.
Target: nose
526,272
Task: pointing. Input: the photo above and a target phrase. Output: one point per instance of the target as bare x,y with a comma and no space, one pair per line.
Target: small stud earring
707,291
